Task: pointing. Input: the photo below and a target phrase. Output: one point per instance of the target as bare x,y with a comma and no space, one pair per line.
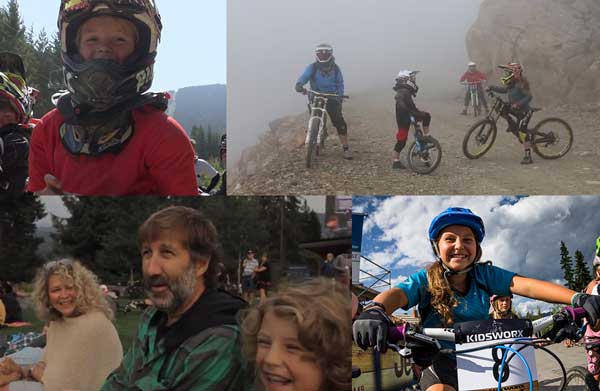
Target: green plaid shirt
210,360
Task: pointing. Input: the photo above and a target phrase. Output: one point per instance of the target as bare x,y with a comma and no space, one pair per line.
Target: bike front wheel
552,138
579,379
479,138
424,155
312,141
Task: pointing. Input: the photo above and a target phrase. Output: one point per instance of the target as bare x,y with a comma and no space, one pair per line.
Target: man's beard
179,290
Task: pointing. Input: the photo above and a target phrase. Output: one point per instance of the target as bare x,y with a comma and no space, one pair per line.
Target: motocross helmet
408,78
512,73
15,94
101,84
324,53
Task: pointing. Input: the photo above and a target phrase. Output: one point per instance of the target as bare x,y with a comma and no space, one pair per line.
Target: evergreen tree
582,274
566,264
18,243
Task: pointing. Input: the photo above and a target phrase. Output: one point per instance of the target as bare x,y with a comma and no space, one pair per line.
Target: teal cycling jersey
486,280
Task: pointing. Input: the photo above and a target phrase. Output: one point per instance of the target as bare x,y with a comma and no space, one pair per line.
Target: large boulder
557,41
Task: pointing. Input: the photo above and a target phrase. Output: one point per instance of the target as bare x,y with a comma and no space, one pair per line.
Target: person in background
249,264
204,170
473,76
327,269
263,277
502,307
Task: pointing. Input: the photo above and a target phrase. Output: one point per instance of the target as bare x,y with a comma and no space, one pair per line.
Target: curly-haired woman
83,346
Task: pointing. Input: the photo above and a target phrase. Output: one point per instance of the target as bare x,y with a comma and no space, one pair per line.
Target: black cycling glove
371,329
591,305
564,327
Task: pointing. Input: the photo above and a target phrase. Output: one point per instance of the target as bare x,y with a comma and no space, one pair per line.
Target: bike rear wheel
312,141
552,138
579,379
425,155
479,138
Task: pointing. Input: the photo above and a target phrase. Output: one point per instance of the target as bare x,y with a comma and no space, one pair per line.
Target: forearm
541,290
392,299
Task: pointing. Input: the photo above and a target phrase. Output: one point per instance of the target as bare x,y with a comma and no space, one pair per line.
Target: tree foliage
102,231
578,275
40,54
566,264
18,243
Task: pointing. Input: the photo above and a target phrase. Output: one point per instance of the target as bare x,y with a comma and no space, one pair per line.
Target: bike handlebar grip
576,313
397,333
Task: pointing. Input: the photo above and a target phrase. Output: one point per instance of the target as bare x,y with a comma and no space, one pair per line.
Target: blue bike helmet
457,216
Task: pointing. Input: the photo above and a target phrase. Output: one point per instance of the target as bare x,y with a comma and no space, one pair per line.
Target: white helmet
409,78
324,53
472,64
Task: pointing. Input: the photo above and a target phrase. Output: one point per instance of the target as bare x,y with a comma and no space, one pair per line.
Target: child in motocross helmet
457,287
15,124
326,76
472,75
516,86
406,89
106,137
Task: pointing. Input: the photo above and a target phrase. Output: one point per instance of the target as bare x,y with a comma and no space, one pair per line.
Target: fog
270,42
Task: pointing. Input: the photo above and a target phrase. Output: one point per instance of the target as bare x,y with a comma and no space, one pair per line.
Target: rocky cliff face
557,41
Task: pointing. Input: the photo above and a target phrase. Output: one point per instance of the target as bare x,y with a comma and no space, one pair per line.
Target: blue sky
192,50
523,234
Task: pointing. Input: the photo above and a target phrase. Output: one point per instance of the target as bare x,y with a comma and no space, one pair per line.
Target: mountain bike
579,378
13,343
473,91
317,124
425,153
488,348
552,138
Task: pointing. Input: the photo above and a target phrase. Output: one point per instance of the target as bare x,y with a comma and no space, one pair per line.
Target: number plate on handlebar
479,370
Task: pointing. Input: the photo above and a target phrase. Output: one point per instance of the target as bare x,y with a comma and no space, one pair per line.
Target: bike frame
318,110
473,90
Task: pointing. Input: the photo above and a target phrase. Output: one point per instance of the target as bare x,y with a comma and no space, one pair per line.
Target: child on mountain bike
406,89
106,137
325,76
455,288
502,307
472,75
298,338
519,96
593,347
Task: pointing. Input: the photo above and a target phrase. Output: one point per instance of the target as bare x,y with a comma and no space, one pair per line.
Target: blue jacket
517,94
331,83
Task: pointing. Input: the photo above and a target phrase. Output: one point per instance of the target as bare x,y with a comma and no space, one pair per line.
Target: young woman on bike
519,97
472,75
502,307
325,76
456,287
406,89
593,352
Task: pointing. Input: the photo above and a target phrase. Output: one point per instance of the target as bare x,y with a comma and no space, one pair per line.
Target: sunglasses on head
54,264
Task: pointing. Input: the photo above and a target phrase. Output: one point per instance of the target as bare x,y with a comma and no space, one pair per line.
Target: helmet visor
73,8
323,55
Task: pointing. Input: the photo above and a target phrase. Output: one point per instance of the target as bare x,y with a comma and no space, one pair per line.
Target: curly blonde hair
320,309
442,296
89,296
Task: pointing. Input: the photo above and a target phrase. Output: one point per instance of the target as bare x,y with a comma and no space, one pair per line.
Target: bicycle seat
534,109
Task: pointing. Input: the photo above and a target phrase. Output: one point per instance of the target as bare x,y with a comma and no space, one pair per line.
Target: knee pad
402,135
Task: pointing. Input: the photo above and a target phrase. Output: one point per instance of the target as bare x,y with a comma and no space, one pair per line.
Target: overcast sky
270,42
522,234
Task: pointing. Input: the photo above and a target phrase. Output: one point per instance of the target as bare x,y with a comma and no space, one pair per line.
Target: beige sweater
80,353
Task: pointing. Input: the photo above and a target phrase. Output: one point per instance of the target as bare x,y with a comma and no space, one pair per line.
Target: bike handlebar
429,337
327,95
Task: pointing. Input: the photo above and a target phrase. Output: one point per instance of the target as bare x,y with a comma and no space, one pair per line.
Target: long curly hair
442,296
320,309
88,298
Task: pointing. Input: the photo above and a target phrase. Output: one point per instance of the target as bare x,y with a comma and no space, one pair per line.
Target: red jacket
157,160
473,77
